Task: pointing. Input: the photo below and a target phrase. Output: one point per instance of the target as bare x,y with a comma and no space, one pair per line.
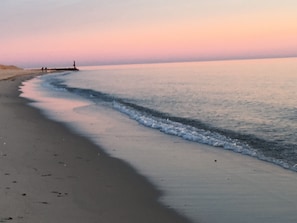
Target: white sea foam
196,135
185,131
168,126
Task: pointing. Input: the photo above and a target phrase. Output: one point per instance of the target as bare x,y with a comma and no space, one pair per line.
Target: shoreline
102,179
51,174
9,74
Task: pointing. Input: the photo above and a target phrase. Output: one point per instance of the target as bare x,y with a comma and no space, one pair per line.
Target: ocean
245,106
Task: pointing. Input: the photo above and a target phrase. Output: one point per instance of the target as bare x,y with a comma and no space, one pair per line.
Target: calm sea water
247,106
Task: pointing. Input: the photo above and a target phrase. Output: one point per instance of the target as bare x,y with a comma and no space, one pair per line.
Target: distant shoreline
61,69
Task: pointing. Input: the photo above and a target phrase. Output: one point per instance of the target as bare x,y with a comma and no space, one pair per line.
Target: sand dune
9,67
8,72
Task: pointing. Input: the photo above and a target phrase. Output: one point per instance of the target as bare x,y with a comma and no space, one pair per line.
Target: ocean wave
191,130
194,134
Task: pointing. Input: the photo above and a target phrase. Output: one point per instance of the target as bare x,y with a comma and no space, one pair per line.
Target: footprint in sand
43,202
6,219
46,175
59,194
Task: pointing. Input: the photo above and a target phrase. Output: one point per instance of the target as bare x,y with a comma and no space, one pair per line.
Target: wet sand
50,174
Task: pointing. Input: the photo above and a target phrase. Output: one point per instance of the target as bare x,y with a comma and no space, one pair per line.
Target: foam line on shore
51,174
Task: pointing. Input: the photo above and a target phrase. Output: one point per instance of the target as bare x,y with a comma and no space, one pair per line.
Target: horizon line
185,60
160,61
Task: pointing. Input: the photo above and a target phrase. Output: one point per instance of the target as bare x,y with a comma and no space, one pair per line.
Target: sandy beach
9,72
50,174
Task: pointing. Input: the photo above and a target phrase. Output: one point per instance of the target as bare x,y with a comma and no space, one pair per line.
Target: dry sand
50,174
10,72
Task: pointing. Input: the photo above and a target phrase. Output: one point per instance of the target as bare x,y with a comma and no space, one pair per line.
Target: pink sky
54,32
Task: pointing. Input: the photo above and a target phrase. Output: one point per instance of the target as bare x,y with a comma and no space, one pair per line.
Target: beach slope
50,174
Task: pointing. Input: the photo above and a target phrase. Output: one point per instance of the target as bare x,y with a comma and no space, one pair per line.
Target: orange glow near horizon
177,36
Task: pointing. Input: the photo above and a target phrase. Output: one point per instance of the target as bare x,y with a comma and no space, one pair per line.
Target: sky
36,33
